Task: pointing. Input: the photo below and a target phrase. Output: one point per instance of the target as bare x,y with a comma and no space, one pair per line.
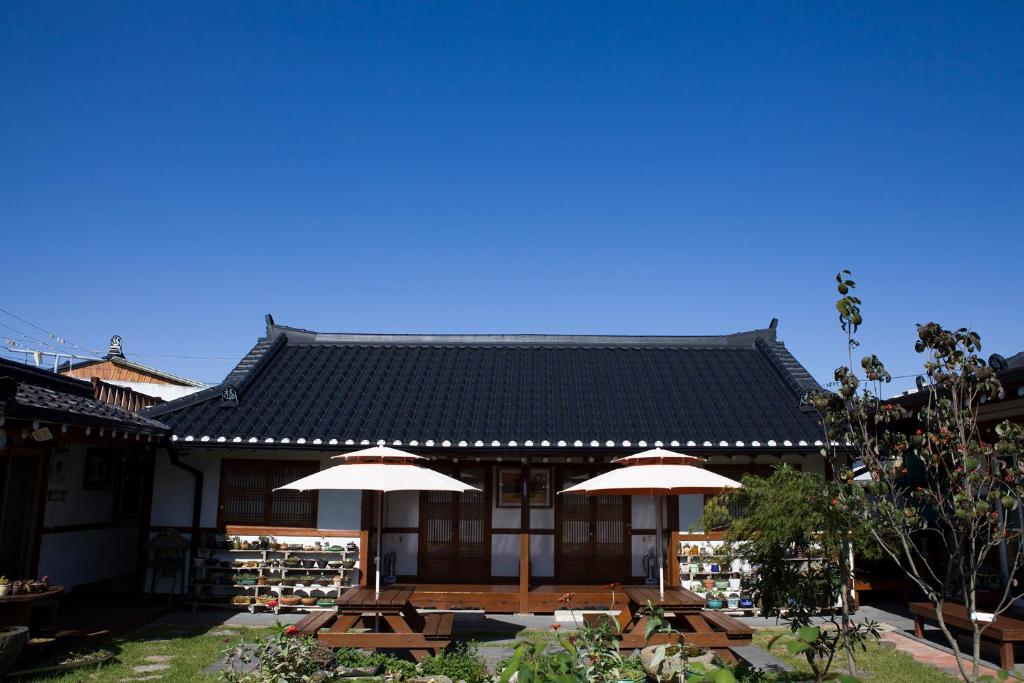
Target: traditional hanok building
75,477
117,370
496,411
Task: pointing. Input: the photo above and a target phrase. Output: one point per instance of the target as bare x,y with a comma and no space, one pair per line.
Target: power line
157,355
52,335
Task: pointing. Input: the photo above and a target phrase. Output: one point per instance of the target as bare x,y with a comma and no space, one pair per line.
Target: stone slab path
928,653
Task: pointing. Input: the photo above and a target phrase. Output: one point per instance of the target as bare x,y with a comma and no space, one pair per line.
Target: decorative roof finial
115,347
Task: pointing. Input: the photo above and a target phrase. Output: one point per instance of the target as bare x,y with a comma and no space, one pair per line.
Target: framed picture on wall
540,488
510,482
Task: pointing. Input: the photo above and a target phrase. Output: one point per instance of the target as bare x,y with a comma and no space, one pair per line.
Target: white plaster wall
83,506
542,518
406,549
172,488
690,510
81,557
542,555
505,518
505,554
403,509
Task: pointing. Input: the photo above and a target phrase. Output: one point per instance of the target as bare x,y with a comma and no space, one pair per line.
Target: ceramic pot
5,589
715,569
721,585
709,584
733,602
737,565
714,604
746,603
746,566
734,584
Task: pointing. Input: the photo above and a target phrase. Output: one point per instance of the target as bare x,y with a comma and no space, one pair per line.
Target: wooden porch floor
499,598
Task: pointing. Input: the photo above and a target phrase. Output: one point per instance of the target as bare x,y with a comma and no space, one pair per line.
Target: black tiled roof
498,389
35,394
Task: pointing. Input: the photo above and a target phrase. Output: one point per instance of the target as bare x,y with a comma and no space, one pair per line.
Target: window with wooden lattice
247,495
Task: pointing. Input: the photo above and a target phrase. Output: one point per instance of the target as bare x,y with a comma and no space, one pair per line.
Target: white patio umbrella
656,472
381,469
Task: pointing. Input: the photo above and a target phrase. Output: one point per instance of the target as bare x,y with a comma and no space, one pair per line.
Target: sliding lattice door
454,535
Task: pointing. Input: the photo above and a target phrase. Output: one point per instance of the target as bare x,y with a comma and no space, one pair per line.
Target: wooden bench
313,622
1004,630
438,625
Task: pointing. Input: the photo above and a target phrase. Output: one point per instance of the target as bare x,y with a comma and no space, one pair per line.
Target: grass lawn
191,650
878,663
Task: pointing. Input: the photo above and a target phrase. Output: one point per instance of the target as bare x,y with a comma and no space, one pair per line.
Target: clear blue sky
173,171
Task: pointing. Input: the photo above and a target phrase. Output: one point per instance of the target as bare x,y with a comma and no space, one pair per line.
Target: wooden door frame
453,469
34,516
593,469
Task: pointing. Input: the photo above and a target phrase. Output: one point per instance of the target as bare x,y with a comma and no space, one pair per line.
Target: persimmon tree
943,495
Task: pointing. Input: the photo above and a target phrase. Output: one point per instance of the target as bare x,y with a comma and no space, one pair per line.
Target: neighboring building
492,410
75,477
116,369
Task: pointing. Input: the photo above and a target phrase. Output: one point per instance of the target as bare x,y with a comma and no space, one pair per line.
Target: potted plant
733,600
735,583
715,600
746,603
5,586
236,543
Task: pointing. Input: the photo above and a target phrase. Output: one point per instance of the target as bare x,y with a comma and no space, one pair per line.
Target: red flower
554,627
291,630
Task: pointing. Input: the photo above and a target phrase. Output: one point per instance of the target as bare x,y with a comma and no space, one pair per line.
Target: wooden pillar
524,540
672,556
365,521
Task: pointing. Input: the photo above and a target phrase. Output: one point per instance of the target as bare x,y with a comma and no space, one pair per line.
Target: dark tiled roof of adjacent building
35,394
308,388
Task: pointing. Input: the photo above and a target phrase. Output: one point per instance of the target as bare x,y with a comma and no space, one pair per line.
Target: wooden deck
505,598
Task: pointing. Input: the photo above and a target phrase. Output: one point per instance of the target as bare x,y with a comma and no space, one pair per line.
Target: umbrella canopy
656,472
378,476
656,456
656,480
380,469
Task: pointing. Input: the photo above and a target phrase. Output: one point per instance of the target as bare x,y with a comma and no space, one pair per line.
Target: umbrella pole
658,540
380,532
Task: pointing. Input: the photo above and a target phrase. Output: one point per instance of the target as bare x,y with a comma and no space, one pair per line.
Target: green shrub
460,663
632,669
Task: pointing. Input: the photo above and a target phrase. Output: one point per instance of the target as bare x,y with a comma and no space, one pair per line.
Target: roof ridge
298,335
84,387
796,376
239,377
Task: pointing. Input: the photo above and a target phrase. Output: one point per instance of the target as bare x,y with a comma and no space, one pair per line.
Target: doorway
455,538
592,541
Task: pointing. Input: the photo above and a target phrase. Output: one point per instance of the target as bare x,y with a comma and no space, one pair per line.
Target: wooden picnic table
362,610
685,611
